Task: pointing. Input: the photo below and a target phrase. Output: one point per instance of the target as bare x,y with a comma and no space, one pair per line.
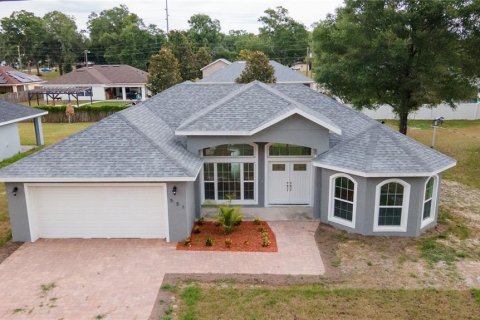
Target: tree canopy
163,71
257,68
403,53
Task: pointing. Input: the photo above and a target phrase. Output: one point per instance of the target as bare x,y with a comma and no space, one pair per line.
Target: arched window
391,212
343,195
429,202
229,150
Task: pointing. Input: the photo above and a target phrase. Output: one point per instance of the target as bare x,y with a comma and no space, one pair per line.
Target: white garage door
97,210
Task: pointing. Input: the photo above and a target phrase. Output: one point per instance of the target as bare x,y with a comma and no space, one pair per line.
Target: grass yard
53,132
236,301
459,139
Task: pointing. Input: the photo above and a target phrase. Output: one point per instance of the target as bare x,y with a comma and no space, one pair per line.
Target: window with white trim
229,171
342,204
288,150
429,202
391,212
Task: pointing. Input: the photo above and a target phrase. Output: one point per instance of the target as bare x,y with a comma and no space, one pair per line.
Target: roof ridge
157,146
216,104
372,144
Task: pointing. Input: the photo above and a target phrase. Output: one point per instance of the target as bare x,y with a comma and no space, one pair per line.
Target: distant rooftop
231,72
11,76
102,74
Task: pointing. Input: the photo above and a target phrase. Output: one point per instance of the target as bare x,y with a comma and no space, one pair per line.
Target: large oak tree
403,53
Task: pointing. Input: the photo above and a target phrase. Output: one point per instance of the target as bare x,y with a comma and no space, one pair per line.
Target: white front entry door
289,183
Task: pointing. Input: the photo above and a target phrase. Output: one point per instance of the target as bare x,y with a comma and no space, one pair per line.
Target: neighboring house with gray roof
214,67
10,115
150,170
108,82
228,73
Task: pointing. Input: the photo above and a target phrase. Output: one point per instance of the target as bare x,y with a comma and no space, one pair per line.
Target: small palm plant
229,216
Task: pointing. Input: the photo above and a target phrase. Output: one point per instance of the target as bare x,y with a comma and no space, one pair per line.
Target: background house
10,115
223,72
12,80
117,81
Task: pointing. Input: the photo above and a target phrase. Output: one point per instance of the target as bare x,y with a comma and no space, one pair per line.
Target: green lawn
53,132
236,301
50,75
459,139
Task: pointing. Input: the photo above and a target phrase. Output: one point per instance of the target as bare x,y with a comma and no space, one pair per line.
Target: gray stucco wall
293,130
17,208
365,209
9,141
181,210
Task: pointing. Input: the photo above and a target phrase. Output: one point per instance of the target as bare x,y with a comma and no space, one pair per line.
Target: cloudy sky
233,14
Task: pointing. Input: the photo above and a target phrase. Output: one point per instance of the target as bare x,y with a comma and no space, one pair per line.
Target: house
10,115
111,81
214,66
228,73
12,80
148,171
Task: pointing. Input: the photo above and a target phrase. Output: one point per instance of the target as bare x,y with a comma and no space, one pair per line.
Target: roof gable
252,108
221,60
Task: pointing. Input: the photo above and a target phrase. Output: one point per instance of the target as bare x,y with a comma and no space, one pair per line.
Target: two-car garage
97,210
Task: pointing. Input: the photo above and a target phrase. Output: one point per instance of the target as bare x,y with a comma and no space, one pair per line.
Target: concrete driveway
83,279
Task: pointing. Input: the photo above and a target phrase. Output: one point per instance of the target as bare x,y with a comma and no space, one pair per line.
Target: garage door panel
98,211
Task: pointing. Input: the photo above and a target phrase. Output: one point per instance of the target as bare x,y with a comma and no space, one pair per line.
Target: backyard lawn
53,132
224,300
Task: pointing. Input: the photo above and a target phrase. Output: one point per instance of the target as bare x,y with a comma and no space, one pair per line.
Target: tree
63,39
403,53
163,71
25,32
257,68
202,58
204,31
286,38
182,48
119,36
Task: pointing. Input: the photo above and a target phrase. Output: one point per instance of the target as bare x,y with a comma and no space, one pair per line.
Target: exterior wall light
174,190
14,191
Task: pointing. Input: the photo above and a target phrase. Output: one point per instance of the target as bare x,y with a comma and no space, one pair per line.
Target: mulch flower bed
246,237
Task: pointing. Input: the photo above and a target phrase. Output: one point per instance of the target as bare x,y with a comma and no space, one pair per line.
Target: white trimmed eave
383,174
23,119
270,123
107,179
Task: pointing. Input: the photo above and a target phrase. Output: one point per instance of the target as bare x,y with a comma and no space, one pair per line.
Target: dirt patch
247,237
8,248
163,303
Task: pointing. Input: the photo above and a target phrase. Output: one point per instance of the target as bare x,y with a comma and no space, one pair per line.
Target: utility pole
86,52
166,10
19,58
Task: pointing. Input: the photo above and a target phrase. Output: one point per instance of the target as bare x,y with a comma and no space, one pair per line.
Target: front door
289,183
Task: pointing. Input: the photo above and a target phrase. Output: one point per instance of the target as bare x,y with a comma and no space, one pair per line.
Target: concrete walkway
121,278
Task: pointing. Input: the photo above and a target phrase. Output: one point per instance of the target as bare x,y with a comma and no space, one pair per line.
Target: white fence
464,111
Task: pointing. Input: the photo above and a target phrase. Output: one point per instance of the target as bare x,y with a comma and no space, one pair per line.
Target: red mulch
246,237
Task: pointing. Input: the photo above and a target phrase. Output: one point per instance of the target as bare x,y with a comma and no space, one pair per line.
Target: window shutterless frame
405,205
433,202
332,198
231,159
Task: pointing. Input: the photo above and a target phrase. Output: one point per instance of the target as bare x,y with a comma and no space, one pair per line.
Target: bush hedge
82,114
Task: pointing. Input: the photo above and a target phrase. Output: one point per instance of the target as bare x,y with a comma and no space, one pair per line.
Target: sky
233,14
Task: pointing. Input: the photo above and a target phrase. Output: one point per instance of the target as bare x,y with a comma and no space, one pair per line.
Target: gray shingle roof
230,114
140,142
230,73
10,112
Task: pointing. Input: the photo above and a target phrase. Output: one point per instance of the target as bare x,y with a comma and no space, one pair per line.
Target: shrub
209,242
265,240
262,230
201,221
187,242
228,242
196,229
257,221
229,216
